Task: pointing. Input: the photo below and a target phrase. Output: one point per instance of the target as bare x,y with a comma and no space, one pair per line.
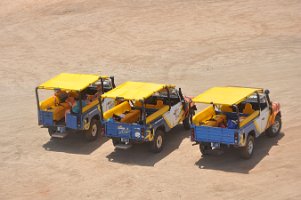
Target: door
108,104
264,113
176,112
174,116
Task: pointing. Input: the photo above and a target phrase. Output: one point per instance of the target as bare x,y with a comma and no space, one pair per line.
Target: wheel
51,131
187,123
274,130
94,130
116,141
246,152
156,145
204,149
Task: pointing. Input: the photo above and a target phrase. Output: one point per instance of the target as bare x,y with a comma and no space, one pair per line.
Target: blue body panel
46,118
124,130
224,135
71,121
214,134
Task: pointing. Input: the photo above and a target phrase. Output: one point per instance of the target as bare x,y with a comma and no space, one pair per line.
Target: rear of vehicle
74,105
235,117
215,135
125,133
144,113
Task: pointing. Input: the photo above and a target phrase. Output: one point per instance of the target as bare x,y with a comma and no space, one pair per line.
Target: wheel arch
252,133
161,127
97,117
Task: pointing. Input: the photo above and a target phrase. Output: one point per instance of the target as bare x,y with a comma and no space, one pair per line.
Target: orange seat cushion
131,116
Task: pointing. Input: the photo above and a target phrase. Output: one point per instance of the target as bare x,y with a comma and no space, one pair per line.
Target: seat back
225,108
204,115
249,118
248,109
119,109
131,117
49,103
157,114
159,104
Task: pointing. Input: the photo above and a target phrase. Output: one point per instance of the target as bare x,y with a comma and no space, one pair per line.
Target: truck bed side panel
214,134
123,130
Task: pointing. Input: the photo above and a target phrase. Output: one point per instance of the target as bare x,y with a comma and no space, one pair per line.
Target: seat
225,108
159,104
248,109
157,114
117,110
131,117
204,115
220,118
49,103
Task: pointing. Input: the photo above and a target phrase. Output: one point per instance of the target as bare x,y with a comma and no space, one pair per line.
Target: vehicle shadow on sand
74,143
139,154
230,160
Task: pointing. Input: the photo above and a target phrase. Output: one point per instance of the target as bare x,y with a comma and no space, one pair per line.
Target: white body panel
108,104
175,114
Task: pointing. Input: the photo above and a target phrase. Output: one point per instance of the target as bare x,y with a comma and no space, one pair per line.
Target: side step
59,135
123,146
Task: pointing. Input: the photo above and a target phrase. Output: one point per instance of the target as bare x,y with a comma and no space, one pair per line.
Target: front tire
157,144
187,123
246,152
94,130
274,130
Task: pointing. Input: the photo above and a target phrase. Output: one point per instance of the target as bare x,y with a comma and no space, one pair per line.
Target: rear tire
157,144
116,141
204,149
51,131
94,130
246,152
274,130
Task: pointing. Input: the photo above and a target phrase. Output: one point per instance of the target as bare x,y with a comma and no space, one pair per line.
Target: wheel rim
276,126
159,141
94,130
250,147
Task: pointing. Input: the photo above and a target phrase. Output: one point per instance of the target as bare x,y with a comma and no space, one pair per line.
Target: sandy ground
193,44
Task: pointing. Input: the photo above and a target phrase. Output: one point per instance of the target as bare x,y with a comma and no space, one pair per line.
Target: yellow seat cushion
220,118
58,112
204,115
248,109
52,105
90,105
159,104
211,123
117,110
248,119
157,114
49,103
225,108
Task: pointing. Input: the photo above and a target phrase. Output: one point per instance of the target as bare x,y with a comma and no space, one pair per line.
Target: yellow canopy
225,95
134,90
65,81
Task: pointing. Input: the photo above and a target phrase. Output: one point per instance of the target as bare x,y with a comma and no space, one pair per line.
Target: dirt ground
195,44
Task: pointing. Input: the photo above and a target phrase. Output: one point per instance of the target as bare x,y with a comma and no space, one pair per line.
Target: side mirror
267,92
180,93
113,81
